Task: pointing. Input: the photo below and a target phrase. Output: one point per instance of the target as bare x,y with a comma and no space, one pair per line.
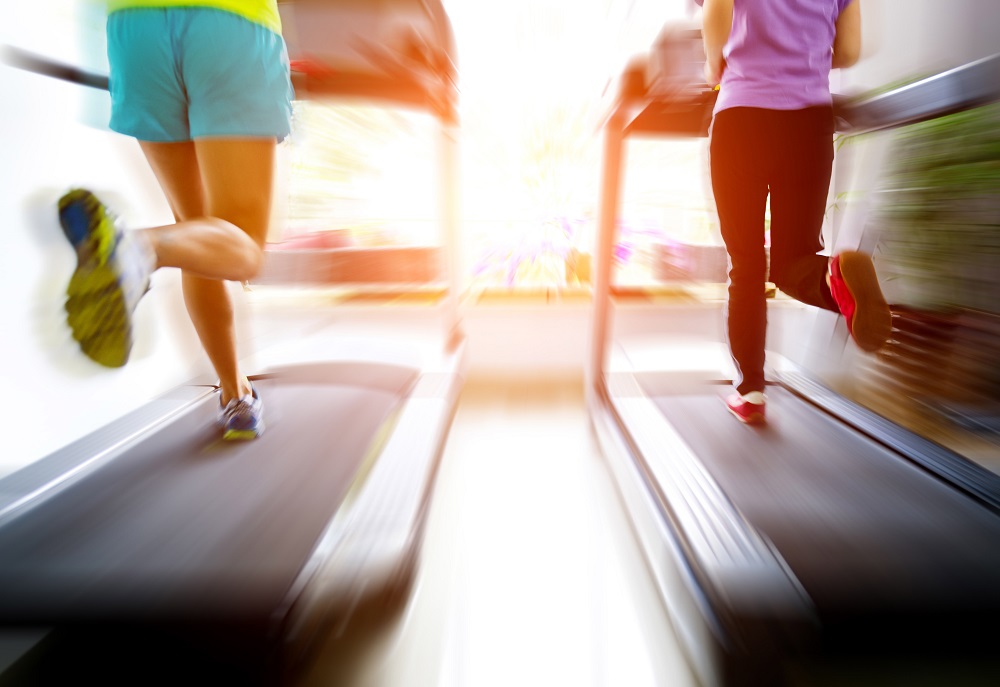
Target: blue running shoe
242,418
112,274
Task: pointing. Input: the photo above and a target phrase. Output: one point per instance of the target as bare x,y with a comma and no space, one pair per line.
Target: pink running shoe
746,411
855,288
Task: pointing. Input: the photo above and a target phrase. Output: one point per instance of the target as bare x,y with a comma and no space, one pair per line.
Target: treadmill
151,551
830,546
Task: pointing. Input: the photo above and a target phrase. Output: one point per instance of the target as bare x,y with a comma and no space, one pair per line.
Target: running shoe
748,409
855,288
112,275
242,418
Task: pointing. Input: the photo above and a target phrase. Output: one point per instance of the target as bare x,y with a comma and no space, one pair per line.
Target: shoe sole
872,322
242,434
97,314
755,419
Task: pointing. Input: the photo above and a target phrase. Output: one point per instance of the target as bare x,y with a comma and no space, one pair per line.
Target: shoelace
238,408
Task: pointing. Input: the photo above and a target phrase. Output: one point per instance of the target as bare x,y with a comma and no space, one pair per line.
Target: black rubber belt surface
185,526
865,531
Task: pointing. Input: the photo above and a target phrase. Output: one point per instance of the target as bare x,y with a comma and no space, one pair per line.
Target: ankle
146,246
239,389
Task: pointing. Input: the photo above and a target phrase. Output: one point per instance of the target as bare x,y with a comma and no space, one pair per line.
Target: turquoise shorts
184,73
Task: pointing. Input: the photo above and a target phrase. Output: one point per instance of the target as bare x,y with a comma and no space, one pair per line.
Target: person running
772,134
204,86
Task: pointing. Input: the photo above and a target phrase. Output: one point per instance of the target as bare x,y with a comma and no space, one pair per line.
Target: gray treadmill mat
184,525
859,526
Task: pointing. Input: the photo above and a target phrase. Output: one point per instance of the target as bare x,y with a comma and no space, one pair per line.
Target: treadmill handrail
409,89
955,90
38,64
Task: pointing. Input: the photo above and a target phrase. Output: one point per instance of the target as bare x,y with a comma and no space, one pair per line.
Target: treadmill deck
182,525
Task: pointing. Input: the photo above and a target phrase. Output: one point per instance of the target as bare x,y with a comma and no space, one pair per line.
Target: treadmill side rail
27,486
746,582
371,547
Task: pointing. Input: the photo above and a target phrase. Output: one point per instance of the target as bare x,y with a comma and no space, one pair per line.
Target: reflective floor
531,575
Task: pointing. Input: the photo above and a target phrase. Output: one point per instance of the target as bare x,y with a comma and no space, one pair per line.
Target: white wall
53,394
902,38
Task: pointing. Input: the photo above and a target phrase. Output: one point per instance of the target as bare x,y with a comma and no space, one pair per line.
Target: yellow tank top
263,12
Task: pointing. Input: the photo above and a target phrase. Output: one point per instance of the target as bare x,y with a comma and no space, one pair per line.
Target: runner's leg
209,243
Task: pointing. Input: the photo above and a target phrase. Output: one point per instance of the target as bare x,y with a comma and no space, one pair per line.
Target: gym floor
530,574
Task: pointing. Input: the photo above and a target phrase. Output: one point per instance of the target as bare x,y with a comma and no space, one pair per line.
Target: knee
244,255
253,260
747,269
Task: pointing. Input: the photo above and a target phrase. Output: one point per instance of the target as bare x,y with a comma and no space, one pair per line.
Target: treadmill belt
861,527
183,526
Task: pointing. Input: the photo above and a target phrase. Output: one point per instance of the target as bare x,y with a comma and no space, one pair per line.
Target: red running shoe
746,411
855,288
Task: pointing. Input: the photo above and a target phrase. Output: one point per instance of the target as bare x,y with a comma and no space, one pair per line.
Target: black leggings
789,154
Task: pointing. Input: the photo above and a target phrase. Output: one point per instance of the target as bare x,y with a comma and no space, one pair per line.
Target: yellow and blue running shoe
242,418
112,274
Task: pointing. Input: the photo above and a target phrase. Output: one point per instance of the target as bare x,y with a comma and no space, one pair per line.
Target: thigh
148,100
237,176
800,186
739,161
176,168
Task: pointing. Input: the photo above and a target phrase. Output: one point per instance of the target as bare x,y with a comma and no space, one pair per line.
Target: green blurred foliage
939,212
